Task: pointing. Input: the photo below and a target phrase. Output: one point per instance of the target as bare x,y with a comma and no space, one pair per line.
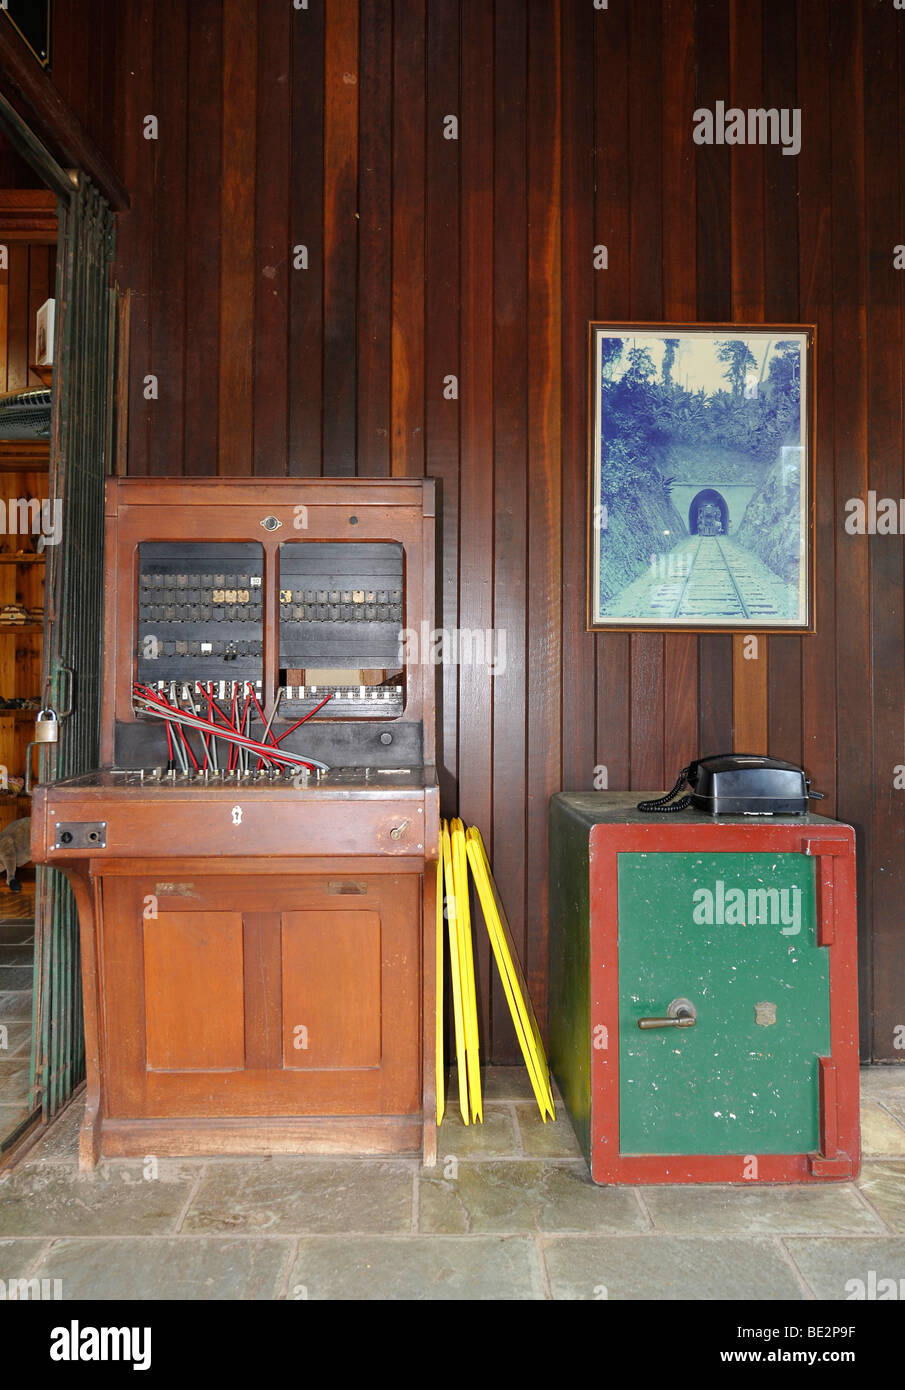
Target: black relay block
200,611
340,604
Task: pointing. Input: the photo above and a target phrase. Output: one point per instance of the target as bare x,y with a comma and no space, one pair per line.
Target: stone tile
417,1268
13,1080
195,1268
15,977
18,1038
829,1265
18,953
877,1082
61,1141
500,1083
524,1196
506,1083
668,1267
49,1199
555,1139
18,1256
11,1116
881,1135
496,1137
883,1184
298,1195
16,1005
793,1209
895,1104
16,931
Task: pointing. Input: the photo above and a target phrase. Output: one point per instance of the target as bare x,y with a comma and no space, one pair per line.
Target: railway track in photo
706,577
713,584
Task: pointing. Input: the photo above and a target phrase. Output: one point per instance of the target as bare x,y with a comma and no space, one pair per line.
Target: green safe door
730,939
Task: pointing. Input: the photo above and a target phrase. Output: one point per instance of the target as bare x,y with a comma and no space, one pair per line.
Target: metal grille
75,573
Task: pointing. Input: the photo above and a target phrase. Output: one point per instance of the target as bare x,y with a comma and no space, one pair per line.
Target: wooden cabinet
254,996
257,942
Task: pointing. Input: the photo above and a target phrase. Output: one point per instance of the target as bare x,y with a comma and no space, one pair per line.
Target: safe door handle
681,1013
684,1022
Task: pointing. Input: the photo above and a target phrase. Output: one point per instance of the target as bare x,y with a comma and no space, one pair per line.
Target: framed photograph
44,334
701,477
31,20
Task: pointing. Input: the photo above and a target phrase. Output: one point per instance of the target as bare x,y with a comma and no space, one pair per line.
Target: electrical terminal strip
188,694
354,694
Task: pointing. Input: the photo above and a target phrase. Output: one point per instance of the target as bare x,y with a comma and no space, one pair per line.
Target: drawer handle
396,832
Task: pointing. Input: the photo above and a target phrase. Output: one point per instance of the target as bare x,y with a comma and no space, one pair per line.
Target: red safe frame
833,846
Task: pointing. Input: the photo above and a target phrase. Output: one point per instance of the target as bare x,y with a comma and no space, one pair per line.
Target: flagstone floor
509,1213
17,948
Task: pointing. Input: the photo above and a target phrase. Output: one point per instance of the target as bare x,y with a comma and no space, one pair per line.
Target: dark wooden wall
430,257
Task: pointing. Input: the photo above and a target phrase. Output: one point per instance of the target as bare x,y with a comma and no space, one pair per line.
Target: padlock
47,726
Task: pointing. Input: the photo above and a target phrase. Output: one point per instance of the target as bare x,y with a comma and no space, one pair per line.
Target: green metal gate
74,605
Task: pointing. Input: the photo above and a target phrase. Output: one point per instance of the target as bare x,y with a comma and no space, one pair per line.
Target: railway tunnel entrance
708,514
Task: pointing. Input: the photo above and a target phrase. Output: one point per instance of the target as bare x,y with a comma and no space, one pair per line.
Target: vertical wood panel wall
363,242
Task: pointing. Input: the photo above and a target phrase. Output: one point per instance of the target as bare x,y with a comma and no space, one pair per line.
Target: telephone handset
739,784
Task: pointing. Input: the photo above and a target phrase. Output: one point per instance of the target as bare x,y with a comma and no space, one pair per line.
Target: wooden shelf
28,214
20,716
24,455
23,559
20,627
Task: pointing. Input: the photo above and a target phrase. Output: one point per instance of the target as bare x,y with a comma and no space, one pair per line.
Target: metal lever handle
70,686
681,1013
397,830
684,1022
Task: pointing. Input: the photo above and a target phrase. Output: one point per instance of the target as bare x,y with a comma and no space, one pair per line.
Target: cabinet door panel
332,989
194,991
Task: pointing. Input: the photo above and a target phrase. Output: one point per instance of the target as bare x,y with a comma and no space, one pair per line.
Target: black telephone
739,784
